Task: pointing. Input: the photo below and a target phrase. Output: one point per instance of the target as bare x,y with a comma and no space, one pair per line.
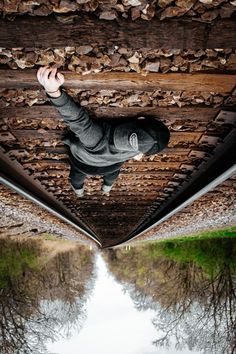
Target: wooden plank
145,174
113,203
200,82
63,165
46,32
131,211
63,150
140,181
30,134
171,114
176,138
184,137
116,213
153,165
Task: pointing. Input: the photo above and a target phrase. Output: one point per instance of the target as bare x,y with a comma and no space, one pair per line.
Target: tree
41,295
190,285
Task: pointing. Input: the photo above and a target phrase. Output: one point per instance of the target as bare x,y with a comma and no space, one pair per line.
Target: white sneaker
106,189
78,192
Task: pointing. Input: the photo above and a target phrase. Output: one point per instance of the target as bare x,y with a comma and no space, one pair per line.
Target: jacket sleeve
89,132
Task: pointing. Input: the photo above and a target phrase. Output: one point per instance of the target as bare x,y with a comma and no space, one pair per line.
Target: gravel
215,210
21,217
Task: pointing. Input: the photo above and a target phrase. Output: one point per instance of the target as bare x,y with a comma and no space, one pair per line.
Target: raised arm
77,117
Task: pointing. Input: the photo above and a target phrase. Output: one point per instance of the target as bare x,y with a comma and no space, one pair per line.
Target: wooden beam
62,150
171,114
200,82
46,32
54,134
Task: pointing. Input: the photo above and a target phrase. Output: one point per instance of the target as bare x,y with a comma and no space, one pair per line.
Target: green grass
14,259
209,253
50,237
227,232
210,250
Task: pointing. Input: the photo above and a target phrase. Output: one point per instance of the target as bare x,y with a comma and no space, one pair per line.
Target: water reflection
191,286
113,324
178,296
42,294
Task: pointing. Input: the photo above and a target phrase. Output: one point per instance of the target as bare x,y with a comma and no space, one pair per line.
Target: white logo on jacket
133,140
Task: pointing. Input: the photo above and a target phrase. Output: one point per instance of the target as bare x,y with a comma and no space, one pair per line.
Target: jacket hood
148,136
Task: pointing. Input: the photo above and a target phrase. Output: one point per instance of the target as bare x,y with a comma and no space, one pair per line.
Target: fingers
52,73
48,76
46,73
56,76
61,78
41,74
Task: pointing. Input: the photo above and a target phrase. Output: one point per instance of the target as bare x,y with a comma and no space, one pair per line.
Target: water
112,322
178,297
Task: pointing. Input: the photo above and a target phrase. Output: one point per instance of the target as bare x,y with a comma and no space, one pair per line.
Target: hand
50,80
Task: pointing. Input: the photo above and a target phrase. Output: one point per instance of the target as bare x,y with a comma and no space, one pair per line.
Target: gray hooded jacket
93,144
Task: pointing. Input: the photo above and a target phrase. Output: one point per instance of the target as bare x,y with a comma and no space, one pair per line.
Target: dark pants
77,178
78,172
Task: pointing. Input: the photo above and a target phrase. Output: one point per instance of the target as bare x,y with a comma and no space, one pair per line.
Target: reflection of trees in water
40,295
191,286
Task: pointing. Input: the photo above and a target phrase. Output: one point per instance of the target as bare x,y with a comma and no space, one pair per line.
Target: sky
113,325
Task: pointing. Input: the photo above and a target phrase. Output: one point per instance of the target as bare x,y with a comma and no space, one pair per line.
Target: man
98,147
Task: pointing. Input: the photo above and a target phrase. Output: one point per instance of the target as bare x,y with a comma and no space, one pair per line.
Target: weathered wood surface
31,134
47,164
200,82
62,150
154,164
165,113
26,31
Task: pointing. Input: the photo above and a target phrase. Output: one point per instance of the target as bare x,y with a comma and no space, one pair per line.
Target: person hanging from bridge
99,147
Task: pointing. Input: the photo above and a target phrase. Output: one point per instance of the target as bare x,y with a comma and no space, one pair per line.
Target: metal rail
227,174
210,174
13,176
35,200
